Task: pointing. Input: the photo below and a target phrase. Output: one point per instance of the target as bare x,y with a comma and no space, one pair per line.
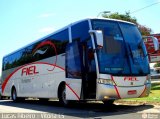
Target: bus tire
108,102
43,99
3,97
14,94
62,96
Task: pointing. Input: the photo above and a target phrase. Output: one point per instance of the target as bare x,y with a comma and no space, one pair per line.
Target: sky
24,21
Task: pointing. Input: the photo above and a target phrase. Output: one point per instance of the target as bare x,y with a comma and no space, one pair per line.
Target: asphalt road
52,109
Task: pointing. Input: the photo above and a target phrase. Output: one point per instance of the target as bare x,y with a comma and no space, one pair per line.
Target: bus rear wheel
14,95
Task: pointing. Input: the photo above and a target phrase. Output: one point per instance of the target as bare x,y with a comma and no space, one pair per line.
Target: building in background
157,36
151,42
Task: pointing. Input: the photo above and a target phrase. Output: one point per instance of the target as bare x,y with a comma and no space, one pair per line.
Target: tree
144,30
127,17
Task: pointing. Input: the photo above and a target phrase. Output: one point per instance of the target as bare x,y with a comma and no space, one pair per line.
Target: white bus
92,59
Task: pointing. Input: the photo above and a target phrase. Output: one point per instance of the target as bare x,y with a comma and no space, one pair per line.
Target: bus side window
73,63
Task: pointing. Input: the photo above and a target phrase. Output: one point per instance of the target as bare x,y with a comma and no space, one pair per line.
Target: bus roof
71,24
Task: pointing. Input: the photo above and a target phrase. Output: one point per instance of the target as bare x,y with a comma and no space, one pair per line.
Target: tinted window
80,31
73,62
139,60
31,53
57,45
111,55
60,40
112,36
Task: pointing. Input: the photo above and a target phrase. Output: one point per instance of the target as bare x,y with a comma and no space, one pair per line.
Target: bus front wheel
62,96
108,102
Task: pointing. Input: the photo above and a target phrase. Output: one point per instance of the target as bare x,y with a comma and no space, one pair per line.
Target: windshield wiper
130,53
140,44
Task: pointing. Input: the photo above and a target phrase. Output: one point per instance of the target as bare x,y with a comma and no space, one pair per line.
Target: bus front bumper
107,92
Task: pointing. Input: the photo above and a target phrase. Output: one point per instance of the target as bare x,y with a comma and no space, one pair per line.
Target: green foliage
157,65
127,17
155,86
144,30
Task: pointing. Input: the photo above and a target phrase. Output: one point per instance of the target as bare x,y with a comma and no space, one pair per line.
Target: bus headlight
148,80
106,81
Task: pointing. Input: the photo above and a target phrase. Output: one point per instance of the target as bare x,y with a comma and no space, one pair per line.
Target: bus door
89,75
80,71
73,71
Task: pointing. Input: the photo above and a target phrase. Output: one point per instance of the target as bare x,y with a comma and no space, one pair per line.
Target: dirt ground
122,102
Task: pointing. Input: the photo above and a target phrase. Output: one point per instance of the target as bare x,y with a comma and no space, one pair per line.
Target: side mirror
156,44
99,36
153,39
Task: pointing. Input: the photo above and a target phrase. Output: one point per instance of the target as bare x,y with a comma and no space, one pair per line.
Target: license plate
132,92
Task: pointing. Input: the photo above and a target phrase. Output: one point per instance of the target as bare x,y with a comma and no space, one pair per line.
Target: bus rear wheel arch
14,94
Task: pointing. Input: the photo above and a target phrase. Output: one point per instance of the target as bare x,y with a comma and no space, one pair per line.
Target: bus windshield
123,52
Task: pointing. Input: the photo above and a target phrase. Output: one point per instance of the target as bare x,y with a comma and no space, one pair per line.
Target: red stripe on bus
117,92
73,91
47,43
143,91
116,87
144,87
8,78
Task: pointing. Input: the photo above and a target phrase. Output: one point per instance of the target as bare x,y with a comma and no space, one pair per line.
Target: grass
153,97
155,86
